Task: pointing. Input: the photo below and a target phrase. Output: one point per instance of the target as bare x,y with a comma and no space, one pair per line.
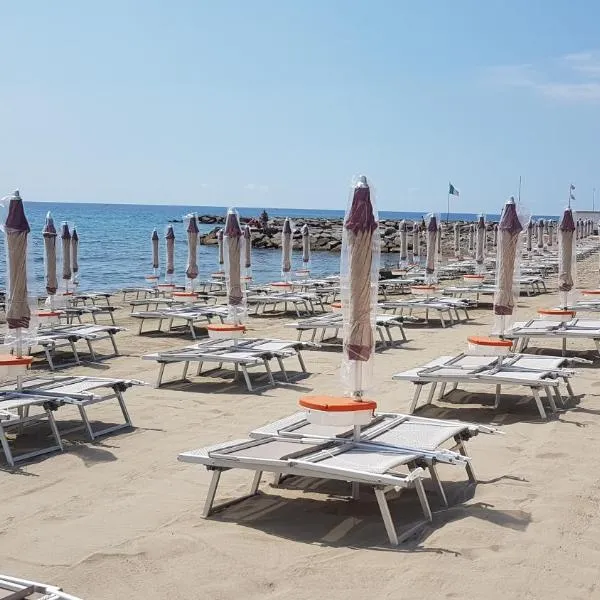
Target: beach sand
121,517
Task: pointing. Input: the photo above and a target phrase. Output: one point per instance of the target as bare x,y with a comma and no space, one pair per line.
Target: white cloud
570,78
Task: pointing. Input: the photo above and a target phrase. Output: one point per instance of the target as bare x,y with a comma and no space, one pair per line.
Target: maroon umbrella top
433,226
65,234
403,226
232,226
74,235
566,221
360,217
155,236
16,221
287,226
510,220
481,222
191,228
49,228
170,233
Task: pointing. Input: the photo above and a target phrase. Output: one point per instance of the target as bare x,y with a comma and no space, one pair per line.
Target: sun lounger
303,302
137,292
19,411
92,297
190,314
243,354
522,333
538,373
319,326
23,589
449,307
294,447
76,312
80,391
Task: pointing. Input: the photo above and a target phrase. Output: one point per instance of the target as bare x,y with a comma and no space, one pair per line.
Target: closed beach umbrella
16,228
495,235
432,233
65,236
232,242
403,242
457,240
49,235
529,235
507,285
471,238
550,233
154,238
170,240
286,249
247,249
416,245
566,250
220,249
191,271
480,244
305,246
75,255
540,233
439,238
360,263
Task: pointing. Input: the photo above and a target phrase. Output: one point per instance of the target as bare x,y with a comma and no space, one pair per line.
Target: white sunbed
578,329
303,302
294,447
243,354
24,589
449,307
538,373
319,326
190,314
139,292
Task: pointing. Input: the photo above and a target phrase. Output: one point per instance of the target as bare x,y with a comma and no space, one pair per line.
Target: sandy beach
121,517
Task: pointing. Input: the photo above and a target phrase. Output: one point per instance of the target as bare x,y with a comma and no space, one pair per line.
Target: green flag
452,190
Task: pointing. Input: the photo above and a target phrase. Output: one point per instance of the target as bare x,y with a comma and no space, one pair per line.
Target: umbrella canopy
220,248
154,238
75,254
49,235
432,234
305,244
507,285
247,249
65,236
286,249
16,228
530,227
471,238
170,239
480,244
403,241
540,233
566,251
191,271
359,274
416,244
457,239
233,241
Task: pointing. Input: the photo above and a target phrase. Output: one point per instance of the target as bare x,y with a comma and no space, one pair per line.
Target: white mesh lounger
138,292
80,391
190,314
534,372
443,306
76,312
243,355
19,411
365,463
319,326
23,589
301,301
587,329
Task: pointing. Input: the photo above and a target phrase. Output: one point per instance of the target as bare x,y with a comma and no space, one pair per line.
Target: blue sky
279,103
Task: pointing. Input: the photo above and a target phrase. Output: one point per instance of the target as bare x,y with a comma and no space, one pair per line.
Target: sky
280,103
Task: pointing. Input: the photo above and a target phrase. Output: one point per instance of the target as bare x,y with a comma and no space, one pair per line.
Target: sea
115,248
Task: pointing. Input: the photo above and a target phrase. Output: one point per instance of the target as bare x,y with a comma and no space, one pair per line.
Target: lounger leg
269,372
389,334
6,448
75,353
564,346
404,338
282,368
114,344
355,490
247,378
161,371
462,449
92,354
48,358
212,490
415,400
301,361
186,365
386,516
498,393
558,395
255,483
199,370
538,401
86,422
569,388
381,337
54,428
442,390
438,484
550,397
431,393
423,499
121,401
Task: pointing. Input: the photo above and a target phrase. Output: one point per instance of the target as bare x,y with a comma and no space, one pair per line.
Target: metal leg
569,387
431,393
6,448
550,396
161,371
247,378
564,346
301,361
462,449
442,390
355,490
186,365
438,484
423,499
559,398
212,490
86,422
538,401
269,372
386,516
415,400
199,370
498,393
114,344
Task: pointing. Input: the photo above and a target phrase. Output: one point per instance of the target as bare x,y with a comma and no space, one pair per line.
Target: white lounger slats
23,589
189,314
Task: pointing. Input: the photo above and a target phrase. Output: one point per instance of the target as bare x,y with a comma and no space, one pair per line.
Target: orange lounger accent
225,327
336,404
557,312
48,313
336,305
591,292
8,360
485,341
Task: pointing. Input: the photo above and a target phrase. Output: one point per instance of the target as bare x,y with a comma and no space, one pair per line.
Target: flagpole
448,210
519,190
